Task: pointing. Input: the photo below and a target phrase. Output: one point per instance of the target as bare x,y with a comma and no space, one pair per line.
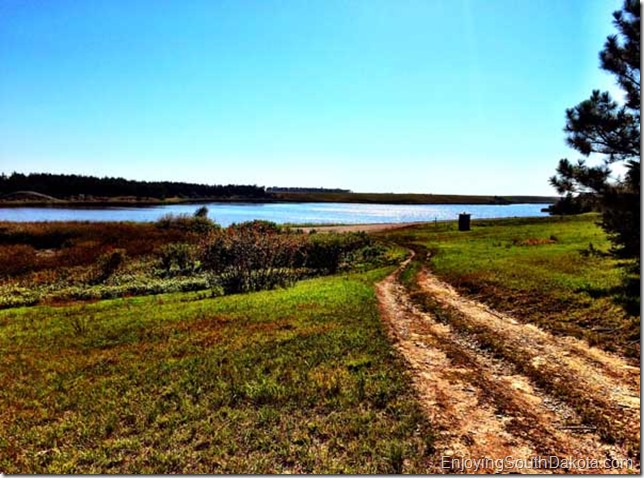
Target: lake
297,213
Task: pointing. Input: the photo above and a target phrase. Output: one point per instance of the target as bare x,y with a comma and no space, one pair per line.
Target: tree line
65,186
276,189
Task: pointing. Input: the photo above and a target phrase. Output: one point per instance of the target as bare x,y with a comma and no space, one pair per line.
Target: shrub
201,212
45,236
261,255
251,256
329,252
199,224
109,263
323,253
97,261
16,259
178,258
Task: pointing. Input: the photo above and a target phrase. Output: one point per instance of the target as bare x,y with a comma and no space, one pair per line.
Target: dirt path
497,389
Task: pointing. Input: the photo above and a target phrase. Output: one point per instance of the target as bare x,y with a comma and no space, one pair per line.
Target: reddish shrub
17,259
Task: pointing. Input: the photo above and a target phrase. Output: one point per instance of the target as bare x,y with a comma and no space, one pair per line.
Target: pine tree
611,131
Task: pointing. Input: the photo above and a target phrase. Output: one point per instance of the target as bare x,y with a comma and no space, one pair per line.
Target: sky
424,96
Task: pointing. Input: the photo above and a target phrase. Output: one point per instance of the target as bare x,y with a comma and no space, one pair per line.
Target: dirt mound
27,196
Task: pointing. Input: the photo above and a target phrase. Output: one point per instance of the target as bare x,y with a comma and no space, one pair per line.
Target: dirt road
498,389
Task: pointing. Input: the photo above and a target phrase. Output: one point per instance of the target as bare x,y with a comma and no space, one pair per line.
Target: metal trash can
464,222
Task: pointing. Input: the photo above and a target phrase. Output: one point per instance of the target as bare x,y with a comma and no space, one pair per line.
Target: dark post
463,222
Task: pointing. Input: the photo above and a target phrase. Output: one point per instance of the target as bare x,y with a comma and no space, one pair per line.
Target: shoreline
373,227
353,198
196,202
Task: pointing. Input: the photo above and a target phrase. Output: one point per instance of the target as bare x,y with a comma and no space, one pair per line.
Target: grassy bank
297,380
550,271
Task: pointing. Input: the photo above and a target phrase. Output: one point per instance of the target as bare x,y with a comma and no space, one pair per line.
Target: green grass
539,269
295,380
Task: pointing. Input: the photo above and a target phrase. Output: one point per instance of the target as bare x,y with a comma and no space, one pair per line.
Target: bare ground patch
388,226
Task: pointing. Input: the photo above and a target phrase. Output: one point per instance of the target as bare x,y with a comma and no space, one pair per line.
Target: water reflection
299,213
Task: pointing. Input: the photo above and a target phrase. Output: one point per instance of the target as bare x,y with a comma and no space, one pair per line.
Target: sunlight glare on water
294,213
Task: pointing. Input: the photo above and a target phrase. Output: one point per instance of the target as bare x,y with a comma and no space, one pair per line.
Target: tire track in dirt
604,388
483,406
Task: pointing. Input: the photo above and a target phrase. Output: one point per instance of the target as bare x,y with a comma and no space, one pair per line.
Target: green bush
201,212
177,259
323,253
198,224
251,256
109,263
260,255
328,253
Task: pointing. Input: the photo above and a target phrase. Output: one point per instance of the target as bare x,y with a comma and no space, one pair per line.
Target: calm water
299,213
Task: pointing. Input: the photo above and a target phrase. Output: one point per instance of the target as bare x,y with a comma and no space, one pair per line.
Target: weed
79,324
395,458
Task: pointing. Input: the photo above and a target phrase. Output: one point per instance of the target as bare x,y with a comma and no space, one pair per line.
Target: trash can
464,222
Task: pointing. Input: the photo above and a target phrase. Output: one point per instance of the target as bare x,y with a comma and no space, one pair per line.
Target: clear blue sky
431,96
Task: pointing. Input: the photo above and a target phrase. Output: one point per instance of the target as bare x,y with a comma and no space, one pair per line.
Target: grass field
295,380
302,379
550,271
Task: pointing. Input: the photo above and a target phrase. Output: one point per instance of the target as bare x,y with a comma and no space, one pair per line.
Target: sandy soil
385,226
488,406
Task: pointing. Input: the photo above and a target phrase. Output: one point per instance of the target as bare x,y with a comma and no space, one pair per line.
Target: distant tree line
63,186
275,189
